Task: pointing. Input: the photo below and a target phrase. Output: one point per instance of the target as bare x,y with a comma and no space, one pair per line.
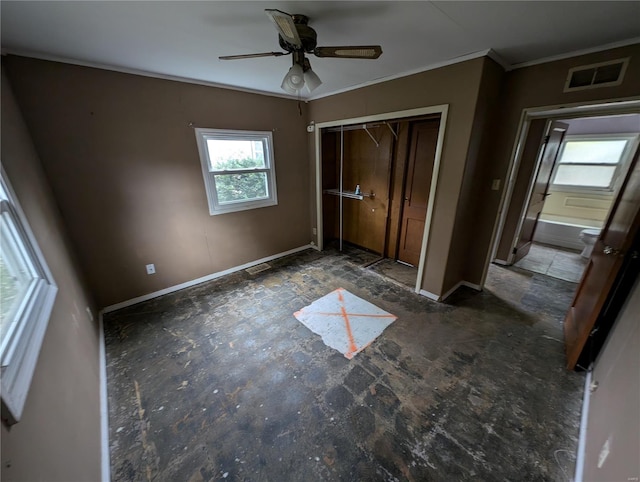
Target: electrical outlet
315,231
495,185
151,269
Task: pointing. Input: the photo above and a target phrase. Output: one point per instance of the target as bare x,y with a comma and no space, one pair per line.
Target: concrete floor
221,382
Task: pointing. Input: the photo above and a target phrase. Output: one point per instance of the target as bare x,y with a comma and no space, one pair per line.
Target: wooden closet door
424,137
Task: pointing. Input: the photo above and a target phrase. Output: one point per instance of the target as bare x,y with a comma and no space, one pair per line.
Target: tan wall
456,85
466,258
125,170
576,207
58,437
614,414
542,85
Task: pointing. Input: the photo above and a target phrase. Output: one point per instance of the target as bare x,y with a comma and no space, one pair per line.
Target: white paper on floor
345,322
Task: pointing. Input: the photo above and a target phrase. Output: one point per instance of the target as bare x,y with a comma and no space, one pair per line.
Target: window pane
241,187
16,273
229,154
590,176
593,152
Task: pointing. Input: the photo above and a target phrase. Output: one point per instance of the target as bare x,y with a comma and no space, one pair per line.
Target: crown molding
140,72
492,54
577,53
407,73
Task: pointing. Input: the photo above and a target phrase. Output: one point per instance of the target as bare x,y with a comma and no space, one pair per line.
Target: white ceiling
184,39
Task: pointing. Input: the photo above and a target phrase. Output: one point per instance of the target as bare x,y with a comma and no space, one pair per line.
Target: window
238,169
592,162
27,293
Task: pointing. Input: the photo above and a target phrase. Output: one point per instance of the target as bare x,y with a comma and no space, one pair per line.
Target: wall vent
603,74
258,268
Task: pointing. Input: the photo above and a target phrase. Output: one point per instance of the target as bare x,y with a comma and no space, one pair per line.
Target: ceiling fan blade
253,56
350,52
284,23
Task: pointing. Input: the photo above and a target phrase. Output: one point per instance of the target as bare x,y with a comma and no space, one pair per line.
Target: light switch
495,185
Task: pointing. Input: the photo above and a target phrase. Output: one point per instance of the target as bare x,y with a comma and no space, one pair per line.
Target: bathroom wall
575,207
567,212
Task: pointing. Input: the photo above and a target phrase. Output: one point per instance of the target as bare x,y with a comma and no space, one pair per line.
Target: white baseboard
501,262
429,295
435,297
104,408
204,279
582,439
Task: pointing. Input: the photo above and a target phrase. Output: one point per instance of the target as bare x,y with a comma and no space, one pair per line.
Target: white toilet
589,238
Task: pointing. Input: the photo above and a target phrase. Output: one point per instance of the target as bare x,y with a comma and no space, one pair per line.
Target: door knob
609,251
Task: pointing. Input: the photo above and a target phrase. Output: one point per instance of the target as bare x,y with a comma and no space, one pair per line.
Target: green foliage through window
238,169
241,187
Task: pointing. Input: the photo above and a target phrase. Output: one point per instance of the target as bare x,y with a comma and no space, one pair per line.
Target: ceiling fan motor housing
307,35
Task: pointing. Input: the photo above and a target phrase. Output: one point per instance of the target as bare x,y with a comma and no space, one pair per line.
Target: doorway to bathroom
576,167
582,163
596,170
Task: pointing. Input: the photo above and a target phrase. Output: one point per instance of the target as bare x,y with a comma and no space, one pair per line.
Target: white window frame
627,154
21,345
266,137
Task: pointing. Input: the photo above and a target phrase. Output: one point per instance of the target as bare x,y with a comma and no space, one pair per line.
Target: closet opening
377,179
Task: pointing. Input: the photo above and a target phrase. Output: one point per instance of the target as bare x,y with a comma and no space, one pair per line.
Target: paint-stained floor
221,382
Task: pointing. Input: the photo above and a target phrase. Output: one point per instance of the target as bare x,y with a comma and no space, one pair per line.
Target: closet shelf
349,194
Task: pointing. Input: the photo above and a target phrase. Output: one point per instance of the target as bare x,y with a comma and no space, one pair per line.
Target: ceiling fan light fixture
311,80
293,82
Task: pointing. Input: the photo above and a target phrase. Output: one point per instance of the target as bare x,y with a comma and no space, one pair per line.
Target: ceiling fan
297,38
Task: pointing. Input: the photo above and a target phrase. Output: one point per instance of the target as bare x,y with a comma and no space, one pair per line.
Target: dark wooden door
609,252
424,137
549,154
368,165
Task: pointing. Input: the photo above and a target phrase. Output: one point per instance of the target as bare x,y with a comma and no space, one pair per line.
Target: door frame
628,105
443,110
